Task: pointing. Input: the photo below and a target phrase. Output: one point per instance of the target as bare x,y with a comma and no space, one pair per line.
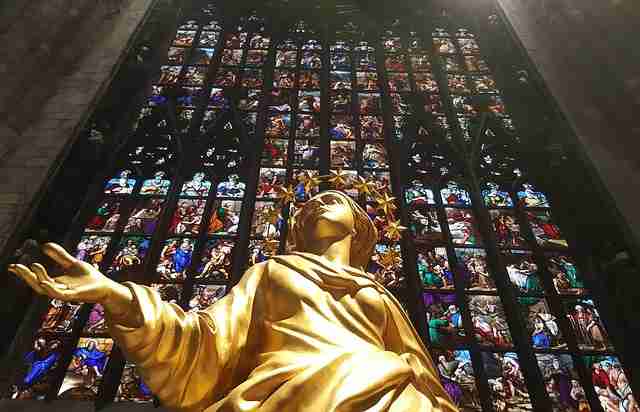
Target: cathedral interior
493,143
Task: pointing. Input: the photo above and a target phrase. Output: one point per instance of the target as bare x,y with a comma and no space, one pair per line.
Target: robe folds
297,333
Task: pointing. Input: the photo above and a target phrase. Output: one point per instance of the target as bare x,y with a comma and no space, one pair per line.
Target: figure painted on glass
309,80
105,219
132,388
417,194
121,185
424,224
144,219
92,249
566,278
96,323
232,187
611,384
443,319
308,126
456,375
341,128
473,266
374,156
175,259
455,195
40,361
371,127
489,322
506,229
506,382
59,317
216,262
132,251
225,218
186,219
545,231
523,272
197,186
528,196
434,270
86,369
462,227
156,186
494,197
205,296
587,325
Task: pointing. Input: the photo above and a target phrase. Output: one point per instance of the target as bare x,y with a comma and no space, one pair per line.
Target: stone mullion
241,247
395,171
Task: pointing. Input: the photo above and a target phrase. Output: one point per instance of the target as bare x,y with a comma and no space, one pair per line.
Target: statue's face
333,218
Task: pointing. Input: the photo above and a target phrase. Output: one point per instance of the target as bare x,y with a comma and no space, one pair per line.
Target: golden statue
309,331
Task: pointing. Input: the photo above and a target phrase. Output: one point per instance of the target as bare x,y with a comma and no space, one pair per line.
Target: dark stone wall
586,54
51,76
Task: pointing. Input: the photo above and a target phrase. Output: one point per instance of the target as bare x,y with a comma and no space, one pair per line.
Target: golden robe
297,333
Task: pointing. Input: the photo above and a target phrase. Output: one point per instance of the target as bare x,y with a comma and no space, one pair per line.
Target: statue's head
333,215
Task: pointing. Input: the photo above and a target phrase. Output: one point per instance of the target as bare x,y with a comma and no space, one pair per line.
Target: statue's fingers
41,273
28,276
58,254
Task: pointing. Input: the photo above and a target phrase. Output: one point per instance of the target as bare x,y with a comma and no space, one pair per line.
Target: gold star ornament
286,194
393,230
365,186
338,178
386,203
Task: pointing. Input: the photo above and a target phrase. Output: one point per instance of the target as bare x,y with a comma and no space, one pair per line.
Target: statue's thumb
58,254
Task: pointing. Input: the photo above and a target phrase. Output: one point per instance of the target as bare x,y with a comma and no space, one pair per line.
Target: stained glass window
242,125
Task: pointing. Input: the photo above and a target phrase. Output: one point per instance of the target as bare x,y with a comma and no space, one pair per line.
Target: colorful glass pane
187,217
36,376
611,383
132,388
462,227
175,258
489,322
523,272
86,369
92,249
567,279
444,319
424,224
458,378
545,231
562,383
225,217
96,323
506,382
474,269
506,229
216,260
541,324
433,268
587,326
204,296
144,216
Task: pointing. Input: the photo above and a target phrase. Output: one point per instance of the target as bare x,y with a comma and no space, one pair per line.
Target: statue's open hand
80,281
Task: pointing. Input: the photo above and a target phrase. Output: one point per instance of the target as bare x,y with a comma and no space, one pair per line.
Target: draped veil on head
363,241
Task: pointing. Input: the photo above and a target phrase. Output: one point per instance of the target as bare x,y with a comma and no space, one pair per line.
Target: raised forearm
121,306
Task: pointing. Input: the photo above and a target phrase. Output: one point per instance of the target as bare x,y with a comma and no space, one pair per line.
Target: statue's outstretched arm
187,359
190,359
